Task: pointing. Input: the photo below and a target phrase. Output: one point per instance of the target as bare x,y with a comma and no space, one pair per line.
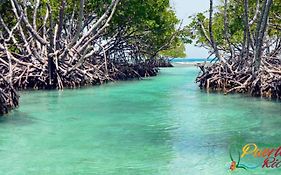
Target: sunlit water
163,125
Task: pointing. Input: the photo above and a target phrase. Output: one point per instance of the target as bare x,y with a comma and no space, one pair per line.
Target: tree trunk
213,42
261,28
226,34
247,35
51,64
61,21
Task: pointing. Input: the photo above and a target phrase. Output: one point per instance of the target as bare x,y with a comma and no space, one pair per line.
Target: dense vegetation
49,44
245,37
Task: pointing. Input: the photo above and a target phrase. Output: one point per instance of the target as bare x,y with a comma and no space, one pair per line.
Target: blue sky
184,9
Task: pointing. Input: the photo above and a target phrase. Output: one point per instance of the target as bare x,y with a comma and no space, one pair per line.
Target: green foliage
177,52
152,21
235,13
150,24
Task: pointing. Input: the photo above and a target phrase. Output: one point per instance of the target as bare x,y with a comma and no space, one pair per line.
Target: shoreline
190,64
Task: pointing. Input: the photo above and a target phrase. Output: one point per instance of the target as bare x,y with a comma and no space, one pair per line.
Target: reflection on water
161,125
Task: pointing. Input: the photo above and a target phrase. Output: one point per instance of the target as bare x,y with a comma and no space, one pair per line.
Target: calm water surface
159,126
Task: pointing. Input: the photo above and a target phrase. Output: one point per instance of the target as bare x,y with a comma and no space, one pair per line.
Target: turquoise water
163,125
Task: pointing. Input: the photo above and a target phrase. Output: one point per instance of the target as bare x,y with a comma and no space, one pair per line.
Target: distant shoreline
184,64
188,64
191,60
